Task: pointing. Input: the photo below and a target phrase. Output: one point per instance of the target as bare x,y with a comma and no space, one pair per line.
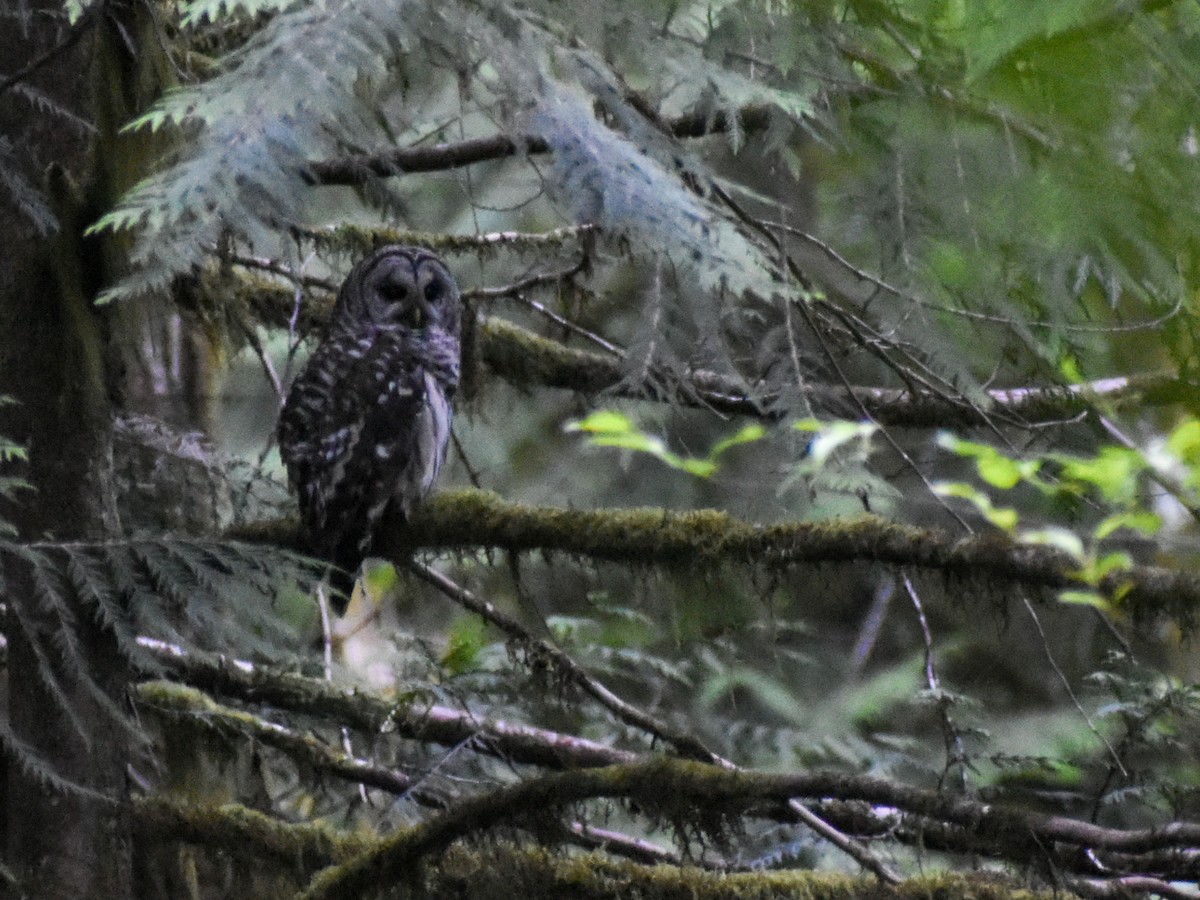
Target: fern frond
27,198
40,770
46,598
316,79
88,579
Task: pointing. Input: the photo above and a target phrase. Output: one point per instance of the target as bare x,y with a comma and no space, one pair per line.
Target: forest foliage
885,310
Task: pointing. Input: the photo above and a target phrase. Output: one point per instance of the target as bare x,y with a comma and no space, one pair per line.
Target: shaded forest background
822,507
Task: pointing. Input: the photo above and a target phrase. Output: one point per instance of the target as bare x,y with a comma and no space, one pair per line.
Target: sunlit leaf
1085,598
1059,538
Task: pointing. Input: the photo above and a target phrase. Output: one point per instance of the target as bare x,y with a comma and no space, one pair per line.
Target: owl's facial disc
401,299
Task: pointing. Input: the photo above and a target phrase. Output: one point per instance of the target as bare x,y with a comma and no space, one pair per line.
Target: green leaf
1002,517
1146,523
999,471
747,435
380,579
1085,598
614,429
994,467
1113,471
466,642
1111,562
604,421
1059,538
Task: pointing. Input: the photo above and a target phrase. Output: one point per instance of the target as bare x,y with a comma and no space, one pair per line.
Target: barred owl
367,422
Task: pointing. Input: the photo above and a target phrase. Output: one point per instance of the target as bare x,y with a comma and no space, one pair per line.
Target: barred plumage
367,423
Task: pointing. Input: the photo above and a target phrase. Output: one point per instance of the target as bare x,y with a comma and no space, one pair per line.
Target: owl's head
401,285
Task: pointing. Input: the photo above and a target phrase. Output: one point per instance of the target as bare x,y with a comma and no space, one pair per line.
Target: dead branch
366,712
359,169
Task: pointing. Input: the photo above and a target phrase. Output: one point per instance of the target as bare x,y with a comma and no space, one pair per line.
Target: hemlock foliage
828,262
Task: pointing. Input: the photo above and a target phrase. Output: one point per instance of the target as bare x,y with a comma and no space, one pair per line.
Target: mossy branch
243,832
527,359
472,519
468,520
369,713
926,818
173,699
358,240
697,790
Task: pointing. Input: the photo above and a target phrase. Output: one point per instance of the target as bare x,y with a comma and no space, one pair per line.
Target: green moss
535,873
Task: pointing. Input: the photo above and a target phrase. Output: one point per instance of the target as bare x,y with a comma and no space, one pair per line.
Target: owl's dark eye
393,291
434,291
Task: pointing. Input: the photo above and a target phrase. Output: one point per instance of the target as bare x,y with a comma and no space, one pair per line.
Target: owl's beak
415,315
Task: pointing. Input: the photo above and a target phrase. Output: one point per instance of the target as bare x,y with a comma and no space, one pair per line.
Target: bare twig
956,753
566,667
264,359
1062,678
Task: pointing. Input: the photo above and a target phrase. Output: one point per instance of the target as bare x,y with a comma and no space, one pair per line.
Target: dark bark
67,828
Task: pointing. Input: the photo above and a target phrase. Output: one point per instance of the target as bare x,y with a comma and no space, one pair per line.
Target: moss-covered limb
542,874
467,874
468,519
927,818
244,832
180,700
527,359
360,169
176,699
684,788
358,240
370,713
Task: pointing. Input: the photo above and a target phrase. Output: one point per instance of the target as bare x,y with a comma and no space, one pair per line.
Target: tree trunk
67,830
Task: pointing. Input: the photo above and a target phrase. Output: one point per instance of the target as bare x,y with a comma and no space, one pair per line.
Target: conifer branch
469,519
361,168
244,832
433,723
178,700
926,818
524,358
700,792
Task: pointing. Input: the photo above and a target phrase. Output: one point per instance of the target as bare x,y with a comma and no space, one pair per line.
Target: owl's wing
363,425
